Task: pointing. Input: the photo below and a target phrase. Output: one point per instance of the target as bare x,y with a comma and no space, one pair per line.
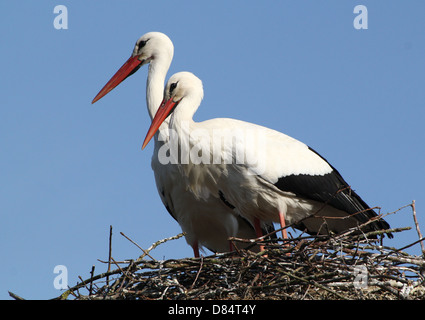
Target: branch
417,227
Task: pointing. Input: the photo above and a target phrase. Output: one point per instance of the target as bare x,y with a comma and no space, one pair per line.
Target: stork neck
155,85
182,117
154,91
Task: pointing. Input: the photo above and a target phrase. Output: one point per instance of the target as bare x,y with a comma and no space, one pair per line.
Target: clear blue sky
70,169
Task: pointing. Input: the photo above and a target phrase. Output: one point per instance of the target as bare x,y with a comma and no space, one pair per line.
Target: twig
381,232
110,254
124,272
197,274
316,284
76,296
65,295
417,227
15,296
91,280
153,246
144,251
409,245
389,289
85,283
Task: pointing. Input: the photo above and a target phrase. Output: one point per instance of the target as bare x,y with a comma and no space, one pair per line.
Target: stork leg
195,248
231,247
258,231
283,225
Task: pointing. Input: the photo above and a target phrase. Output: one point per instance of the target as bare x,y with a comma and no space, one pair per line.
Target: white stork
207,221
270,176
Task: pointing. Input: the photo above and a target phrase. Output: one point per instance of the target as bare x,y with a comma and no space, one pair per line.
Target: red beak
127,69
164,110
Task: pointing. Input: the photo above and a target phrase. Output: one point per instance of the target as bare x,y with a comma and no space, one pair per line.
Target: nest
305,267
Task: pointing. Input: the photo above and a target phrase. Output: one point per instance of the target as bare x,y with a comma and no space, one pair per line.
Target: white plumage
271,176
207,221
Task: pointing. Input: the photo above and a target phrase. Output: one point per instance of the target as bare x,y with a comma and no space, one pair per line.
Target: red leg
195,248
282,225
231,248
258,231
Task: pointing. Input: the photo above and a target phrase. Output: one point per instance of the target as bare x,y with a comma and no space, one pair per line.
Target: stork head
153,46
181,87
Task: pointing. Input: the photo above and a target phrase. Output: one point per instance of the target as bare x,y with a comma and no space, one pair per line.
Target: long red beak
164,110
127,69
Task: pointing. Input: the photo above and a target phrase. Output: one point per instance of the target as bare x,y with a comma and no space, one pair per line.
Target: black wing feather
331,189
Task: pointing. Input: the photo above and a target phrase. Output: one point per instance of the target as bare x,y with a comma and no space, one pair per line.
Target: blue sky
70,169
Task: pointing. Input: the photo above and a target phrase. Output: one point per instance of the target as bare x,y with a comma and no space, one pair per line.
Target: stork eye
142,43
172,87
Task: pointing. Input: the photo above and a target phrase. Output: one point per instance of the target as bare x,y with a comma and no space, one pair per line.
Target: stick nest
305,267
